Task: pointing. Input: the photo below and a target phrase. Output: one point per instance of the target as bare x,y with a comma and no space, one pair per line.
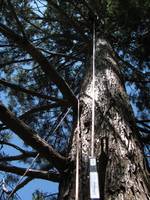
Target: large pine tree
46,67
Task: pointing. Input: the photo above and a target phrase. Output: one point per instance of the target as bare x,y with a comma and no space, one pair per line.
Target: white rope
94,180
33,161
77,154
93,94
12,192
58,125
93,122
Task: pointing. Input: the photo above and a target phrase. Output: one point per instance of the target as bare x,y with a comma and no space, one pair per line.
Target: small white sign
94,186
92,162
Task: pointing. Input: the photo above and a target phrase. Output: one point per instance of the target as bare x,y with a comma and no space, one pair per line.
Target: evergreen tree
46,67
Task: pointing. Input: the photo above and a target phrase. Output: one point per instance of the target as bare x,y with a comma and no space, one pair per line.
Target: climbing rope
5,190
21,178
94,182
77,154
93,94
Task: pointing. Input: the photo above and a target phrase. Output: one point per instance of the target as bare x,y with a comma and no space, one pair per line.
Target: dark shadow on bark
103,159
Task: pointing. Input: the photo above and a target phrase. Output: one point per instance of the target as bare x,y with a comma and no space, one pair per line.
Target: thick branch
41,60
31,138
33,173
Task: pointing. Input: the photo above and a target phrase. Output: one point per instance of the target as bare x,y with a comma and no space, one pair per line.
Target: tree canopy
45,48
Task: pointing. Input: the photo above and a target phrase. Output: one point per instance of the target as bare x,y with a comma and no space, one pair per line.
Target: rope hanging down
77,155
93,94
94,183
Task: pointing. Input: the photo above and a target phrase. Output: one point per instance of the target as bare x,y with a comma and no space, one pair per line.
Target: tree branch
144,125
31,138
33,173
70,20
142,120
14,62
12,145
42,108
144,130
18,157
41,60
27,91
60,54
22,184
19,24
137,80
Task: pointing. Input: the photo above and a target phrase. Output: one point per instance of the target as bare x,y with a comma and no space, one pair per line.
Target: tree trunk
117,149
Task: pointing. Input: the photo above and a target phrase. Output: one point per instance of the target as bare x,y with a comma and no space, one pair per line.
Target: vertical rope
77,155
94,180
93,94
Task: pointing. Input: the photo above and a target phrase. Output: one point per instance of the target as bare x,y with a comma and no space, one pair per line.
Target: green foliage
62,31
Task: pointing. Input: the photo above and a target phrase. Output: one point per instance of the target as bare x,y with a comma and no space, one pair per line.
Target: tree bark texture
117,149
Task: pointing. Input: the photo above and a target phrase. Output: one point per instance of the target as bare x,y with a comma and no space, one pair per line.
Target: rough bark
117,149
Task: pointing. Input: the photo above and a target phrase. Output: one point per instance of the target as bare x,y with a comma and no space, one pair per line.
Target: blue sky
41,185
36,184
